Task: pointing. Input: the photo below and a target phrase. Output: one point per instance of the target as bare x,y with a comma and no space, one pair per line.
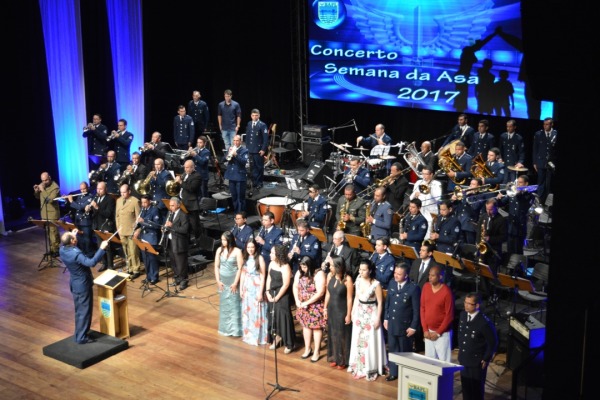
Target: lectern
424,378
112,301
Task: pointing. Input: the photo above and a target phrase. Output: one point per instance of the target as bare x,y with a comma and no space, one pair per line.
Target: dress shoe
391,378
174,283
87,340
134,276
154,282
287,350
314,360
305,356
183,285
102,268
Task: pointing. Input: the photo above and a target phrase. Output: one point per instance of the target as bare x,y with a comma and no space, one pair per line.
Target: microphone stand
167,291
276,385
346,125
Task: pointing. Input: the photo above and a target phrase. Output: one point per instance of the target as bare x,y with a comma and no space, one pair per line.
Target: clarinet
164,229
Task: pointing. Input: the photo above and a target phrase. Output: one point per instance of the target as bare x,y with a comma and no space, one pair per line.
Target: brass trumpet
113,135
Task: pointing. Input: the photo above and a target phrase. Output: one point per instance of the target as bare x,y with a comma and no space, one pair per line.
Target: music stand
146,248
181,206
48,257
516,284
319,234
446,260
401,250
113,238
67,226
360,243
478,269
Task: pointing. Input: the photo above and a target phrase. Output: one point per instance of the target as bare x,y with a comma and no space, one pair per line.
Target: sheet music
291,183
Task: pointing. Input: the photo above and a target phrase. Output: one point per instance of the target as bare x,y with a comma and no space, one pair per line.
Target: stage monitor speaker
316,172
519,351
315,151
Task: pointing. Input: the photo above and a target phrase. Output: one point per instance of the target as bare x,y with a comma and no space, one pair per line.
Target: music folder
108,235
446,259
145,247
400,250
360,243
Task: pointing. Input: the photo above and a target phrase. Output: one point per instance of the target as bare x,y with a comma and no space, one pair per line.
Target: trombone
384,182
511,190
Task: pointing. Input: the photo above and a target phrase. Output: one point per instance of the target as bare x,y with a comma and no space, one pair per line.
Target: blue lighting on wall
61,25
125,27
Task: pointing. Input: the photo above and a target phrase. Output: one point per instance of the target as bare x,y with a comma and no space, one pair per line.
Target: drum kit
340,159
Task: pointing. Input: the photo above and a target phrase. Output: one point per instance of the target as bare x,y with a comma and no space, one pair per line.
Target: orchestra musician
183,129
154,149
482,139
466,212
268,236
241,231
384,261
378,138
138,173
380,216
350,211
461,131
397,187
236,173
198,110
83,219
112,172
496,167
201,157
120,141
304,243
46,191
176,228
257,142
190,187
158,181
149,225
316,208
127,211
357,175
428,190
96,134
103,219
464,160
512,150
428,157
414,226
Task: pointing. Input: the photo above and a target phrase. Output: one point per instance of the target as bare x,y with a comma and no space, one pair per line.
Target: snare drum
375,164
296,210
274,204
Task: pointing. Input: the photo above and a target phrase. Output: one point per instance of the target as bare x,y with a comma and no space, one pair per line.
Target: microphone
456,249
355,126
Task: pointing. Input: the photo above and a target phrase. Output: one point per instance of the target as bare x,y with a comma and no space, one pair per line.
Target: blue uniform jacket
122,144
465,164
79,267
78,204
310,247
183,130
449,230
402,307
361,180
242,235
257,138
542,148
201,160
481,146
384,267
236,167
157,183
273,237
382,226
317,211
151,225
416,228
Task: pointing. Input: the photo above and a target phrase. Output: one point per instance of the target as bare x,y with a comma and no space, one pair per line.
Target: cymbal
518,169
341,147
360,148
346,145
388,157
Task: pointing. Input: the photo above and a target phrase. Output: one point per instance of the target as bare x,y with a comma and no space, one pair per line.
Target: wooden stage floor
174,349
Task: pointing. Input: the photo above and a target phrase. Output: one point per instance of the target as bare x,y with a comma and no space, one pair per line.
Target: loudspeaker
316,173
315,151
517,353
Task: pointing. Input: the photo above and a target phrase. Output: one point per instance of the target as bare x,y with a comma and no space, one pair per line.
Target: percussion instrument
518,169
387,157
340,147
361,148
276,205
375,164
296,210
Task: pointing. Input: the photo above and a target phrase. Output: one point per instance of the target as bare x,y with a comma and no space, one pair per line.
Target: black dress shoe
391,378
86,341
155,282
134,275
183,285
102,268
173,284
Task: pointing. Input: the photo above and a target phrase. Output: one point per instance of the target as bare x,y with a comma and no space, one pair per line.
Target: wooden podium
112,301
424,378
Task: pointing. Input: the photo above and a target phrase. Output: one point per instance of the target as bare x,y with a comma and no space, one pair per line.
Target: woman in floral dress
254,306
367,351
309,293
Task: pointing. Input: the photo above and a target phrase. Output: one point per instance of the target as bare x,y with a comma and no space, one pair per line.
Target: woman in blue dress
254,306
228,268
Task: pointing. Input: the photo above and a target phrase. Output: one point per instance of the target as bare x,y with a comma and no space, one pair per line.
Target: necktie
469,318
124,200
421,270
253,124
399,287
134,168
338,250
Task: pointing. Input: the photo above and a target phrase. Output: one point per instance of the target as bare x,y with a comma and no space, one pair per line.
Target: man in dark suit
397,187
477,344
120,141
154,149
414,226
198,110
138,173
177,230
236,173
401,319
348,254
257,143
492,230
190,187
81,282
316,208
303,244
149,224
103,219
268,236
419,274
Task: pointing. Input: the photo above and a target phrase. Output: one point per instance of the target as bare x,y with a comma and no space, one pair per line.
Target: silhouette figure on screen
504,90
467,60
534,107
484,90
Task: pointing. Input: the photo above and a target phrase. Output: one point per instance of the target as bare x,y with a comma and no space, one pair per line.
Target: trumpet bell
172,188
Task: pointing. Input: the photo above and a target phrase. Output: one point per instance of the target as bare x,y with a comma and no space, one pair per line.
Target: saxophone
342,224
482,246
365,227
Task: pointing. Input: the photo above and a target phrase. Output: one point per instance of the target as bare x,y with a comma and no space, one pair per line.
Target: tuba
413,158
172,188
480,170
447,162
143,187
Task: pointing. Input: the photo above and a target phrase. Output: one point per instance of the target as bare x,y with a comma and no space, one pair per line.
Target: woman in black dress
279,279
